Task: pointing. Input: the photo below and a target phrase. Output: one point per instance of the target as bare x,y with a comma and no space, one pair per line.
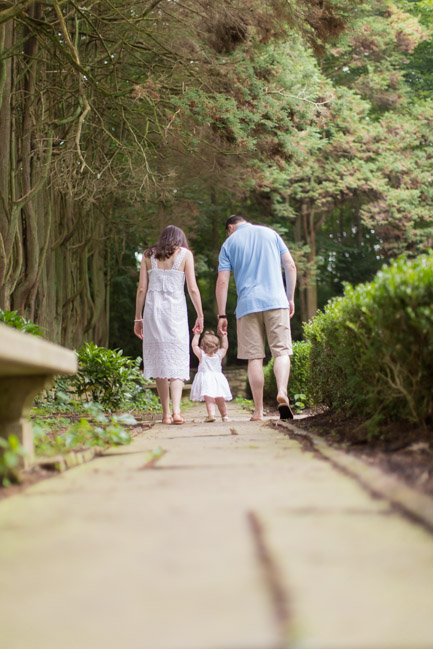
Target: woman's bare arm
140,299
193,291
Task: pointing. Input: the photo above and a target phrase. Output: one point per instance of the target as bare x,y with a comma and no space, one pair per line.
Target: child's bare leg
164,397
176,387
210,406
220,401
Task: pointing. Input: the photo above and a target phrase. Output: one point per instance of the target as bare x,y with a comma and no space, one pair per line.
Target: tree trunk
6,39
309,279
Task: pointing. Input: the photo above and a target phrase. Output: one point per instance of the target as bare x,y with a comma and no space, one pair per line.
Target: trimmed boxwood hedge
299,376
372,349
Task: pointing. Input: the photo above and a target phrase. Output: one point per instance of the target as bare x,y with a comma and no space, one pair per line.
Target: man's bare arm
290,272
222,287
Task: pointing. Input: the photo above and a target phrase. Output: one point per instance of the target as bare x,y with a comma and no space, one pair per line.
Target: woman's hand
199,325
138,328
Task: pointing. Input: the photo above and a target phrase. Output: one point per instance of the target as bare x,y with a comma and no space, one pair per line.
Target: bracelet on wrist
220,317
141,320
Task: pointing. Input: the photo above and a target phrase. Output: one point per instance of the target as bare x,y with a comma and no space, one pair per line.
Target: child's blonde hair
210,343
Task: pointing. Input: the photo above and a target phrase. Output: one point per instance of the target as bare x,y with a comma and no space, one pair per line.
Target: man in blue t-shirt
255,254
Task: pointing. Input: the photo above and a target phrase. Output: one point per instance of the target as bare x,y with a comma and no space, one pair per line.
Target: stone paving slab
413,502
229,542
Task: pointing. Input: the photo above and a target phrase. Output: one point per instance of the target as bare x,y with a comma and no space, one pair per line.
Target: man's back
253,253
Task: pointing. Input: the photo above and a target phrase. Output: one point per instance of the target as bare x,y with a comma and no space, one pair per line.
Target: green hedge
299,374
372,349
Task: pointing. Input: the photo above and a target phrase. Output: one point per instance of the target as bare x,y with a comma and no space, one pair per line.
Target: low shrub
104,376
12,319
372,349
299,375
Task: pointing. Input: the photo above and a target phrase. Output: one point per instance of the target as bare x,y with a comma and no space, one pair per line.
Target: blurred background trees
118,118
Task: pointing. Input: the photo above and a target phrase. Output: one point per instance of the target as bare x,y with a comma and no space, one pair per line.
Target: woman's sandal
167,420
178,419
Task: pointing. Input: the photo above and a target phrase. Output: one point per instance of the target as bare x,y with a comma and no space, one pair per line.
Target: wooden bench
28,364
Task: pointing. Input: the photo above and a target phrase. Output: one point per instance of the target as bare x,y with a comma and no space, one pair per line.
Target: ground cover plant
94,406
11,453
91,428
108,377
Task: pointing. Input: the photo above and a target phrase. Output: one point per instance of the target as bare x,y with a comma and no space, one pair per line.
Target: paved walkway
232,541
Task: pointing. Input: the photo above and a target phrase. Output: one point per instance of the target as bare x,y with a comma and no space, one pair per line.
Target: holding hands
222,326
199,325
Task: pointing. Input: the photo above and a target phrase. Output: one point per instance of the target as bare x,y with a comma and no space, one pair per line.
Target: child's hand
199,326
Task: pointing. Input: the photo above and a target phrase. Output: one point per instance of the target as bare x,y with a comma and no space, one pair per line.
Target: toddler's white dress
165,323
210,380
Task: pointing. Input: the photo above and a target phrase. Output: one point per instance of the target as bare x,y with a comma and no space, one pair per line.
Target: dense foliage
97,118
372,349
299,383
13,319
104,377
334,151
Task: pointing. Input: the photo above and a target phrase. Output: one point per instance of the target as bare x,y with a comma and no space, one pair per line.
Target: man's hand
291,308
222,327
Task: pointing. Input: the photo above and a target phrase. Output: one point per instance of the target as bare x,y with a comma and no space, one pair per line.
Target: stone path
231,541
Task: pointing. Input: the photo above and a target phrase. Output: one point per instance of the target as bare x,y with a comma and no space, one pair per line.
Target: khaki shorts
253,327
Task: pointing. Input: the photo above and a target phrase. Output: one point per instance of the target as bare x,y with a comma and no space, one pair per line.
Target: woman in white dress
161,318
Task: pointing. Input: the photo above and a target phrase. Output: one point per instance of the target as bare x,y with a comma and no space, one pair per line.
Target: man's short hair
233,219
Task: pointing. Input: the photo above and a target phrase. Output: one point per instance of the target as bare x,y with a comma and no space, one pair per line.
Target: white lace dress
210,380
165,323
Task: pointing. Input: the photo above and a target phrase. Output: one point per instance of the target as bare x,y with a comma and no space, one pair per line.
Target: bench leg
16,399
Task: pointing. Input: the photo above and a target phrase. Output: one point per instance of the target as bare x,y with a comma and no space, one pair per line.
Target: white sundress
165,323
210,380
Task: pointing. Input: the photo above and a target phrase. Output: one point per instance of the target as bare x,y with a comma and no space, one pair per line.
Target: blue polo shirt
253,253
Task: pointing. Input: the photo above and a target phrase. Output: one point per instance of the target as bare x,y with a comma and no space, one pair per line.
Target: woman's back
165,320
170,278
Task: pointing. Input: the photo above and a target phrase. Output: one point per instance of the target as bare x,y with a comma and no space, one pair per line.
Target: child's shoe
209,419
226,418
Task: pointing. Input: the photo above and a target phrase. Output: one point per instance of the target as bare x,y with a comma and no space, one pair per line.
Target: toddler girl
209,383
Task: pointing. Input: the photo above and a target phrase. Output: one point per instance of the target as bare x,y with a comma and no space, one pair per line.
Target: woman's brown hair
171,238
210,343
